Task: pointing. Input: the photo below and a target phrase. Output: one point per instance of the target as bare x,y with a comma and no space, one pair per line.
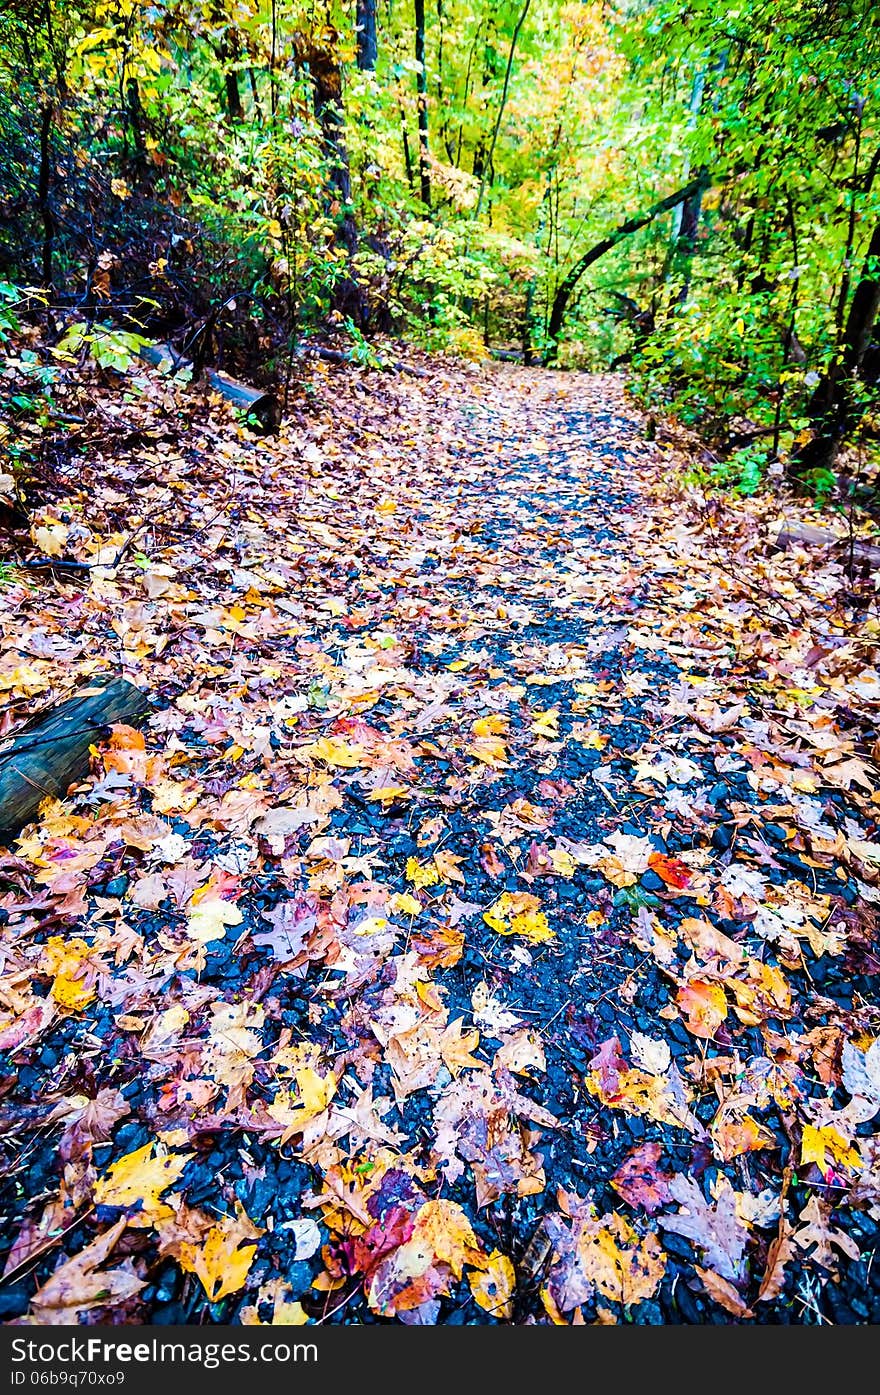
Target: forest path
482,915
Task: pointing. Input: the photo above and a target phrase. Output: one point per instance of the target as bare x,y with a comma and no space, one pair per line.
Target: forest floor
483,927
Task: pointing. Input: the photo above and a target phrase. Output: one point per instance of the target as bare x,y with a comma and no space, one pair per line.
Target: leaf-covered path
483,928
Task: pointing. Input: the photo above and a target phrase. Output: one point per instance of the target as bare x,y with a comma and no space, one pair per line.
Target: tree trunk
320,51
43,189
422,89
631,225
501,105
686,242
833,406
227,49
234,108
367,41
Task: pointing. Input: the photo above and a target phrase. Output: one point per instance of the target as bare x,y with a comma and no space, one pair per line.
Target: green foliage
109,347
227,175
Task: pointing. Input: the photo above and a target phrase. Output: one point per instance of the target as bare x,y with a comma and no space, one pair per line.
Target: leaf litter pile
482,928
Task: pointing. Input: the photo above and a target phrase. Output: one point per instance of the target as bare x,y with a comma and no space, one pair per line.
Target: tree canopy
687,190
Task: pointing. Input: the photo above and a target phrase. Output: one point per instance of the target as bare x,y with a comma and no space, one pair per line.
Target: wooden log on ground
51,751
809,535
251,400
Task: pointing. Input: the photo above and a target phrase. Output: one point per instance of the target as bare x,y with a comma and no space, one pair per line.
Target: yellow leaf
404,903
138,1180
546,723
315,1094
421,873
820,1145
490,750
518,913
208,920
388,793
493,725
223,1260
493,1287
563,862
332,751
443,1228
66,959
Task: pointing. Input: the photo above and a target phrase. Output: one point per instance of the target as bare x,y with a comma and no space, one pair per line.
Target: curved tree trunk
567,285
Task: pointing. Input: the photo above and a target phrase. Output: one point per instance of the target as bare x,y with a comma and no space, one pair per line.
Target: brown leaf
80,1284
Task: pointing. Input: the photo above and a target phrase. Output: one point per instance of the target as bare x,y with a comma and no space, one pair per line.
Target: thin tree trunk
631,225
502,104
367,40
407,153
43,190
422,89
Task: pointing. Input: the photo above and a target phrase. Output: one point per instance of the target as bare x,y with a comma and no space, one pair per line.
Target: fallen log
51,752
250,400
809,535
345,356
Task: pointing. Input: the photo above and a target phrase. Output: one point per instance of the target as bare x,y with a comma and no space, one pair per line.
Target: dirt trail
486,929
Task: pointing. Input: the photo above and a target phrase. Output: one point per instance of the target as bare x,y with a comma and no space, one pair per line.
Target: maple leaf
851,772
456,1046
335,752
703,1006
135,1183
671,870
519,913
209,918
825,1147
489,750
522,1053
51,539
88,1121
636,1091
284,1310
440,1242
80,1284
71,963
222,1261
733,1137
600,1254
314,1095
421,874
448,865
